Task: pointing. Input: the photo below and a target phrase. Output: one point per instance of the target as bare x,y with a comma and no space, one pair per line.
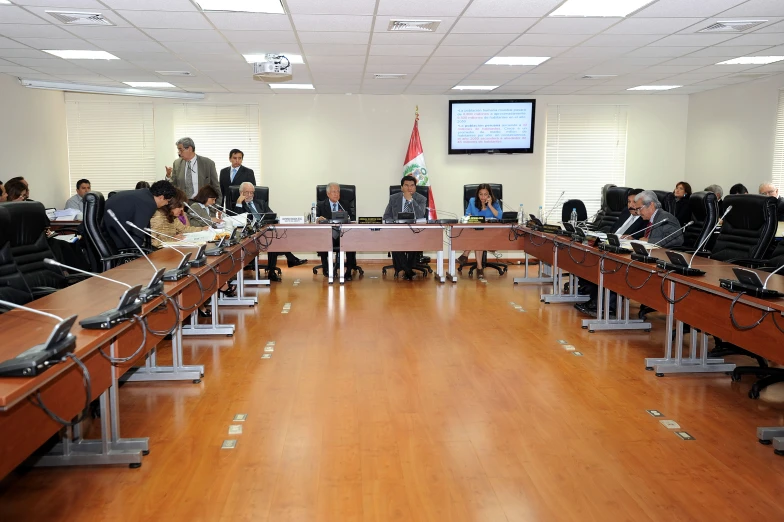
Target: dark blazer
780,208
660,232
324,209
243,174
682,210
136,206
395,206
634,230
261,207
205,169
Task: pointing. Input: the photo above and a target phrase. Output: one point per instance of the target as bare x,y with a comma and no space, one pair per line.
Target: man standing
325,209
190,172
237,174
136,206
76,201
769,189
407,200
651,212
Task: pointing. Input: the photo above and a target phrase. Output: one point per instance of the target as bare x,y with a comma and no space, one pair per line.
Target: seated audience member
769,189
716,189
165,221
738,188
200,206
76,201
136,206
24,182
257,207
324,210
3,194
483,204
651,212
17,190
629,224
142,184
681,210
407,200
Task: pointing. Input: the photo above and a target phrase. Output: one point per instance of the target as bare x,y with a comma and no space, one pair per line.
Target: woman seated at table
17,191
166,220
484,204
200,208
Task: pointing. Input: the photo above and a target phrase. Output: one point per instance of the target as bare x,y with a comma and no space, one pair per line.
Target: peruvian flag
415,165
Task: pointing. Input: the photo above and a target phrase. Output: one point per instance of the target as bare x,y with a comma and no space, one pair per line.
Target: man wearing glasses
190,172
629,224
769,189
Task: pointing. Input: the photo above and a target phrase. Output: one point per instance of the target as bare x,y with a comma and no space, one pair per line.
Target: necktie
233,173
188,179
408,207
648,232
334,207
253,209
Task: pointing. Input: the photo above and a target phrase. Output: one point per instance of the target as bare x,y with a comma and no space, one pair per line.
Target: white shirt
623,228
194,174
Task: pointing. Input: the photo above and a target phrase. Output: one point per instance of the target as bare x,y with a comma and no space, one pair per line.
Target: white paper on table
200,237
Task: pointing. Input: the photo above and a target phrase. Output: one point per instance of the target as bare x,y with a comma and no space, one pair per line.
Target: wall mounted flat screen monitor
491,126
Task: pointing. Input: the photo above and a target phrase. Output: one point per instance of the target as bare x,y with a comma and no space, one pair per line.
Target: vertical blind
585,150
778,150
110,144
216,129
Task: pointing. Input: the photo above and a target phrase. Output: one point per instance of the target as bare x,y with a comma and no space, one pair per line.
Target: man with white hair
769,189
324,211
716,189
662,224
190,172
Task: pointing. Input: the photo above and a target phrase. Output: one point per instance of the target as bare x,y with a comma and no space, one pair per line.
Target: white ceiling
344,42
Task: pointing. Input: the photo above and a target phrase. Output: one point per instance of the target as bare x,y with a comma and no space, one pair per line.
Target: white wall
33,141
731,133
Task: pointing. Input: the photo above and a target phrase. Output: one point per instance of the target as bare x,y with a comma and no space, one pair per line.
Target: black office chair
12,285
348,200
469,191
705,214
260,193
748,230
577,204
101,251
421,266
616,202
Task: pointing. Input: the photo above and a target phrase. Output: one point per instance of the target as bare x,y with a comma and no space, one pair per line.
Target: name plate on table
369,220
552,229
475,219
291,220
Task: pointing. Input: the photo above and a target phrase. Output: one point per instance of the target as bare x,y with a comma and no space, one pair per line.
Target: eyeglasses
248,192
770,192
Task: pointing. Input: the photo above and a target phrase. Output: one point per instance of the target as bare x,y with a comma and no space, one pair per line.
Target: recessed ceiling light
474,87
752,60
598,76
82,55
599,7
243,6
389,76
294,59
517,60
654,87
292,86
150,85
174,73
4,2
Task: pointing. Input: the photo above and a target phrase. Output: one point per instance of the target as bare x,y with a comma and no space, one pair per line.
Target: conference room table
24,427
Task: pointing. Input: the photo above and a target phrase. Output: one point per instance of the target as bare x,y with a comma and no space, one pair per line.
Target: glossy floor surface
391,400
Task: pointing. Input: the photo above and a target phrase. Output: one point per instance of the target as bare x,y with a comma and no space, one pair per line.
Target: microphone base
644,259
111,318
405,221
754,291
151,292
199,262
678,269
39,359
442,221
614,249
175,274
214,252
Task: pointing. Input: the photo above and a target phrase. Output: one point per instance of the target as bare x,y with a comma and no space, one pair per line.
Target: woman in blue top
484,204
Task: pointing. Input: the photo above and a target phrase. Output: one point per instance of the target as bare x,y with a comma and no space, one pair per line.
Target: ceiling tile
152,5
332,22
200,47
439,68
32,31
757,8
464,39
229,22
338,7
10,14
165,20
16,70
5,43
774,28
337,37
757,39
652,25
337,49
57,43
694,40
493,25
619,40
551,40
418,8
459,50
397,38
396,60
504,70
402,50
526,50
109,33
513,89
23,53
648,52
692,8
557,90
399,68
694,60
595,52
260,38
72,4
733,51
672,69
183,35
539,79
561,26
511,8
114,46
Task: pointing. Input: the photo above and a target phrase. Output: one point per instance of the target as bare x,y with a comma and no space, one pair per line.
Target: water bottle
521,215
313,213
573,217
541,214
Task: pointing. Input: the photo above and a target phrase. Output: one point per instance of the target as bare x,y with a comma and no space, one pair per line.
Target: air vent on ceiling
737,26
70,18
174,73
598,76
427,26
382,76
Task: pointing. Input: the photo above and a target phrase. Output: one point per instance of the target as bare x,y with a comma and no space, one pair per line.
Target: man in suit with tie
256,207
190,172
629,224
651,212
407,200
237,174
324,210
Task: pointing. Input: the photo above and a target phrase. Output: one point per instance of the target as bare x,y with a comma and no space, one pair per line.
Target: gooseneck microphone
646,257
185,257
140,249
707,236
765,284
554,206
663,221
50,261
9,304
208,223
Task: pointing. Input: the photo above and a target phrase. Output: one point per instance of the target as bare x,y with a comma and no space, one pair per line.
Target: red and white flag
415,166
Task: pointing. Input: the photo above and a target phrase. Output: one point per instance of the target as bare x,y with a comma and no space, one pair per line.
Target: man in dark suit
407,200
324,211
190,172
629,224
652,214
257,207
237,174
136,206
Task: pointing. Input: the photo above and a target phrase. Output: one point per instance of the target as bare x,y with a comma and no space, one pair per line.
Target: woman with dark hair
681,208
738,188
142,184
166,221
202,201
3,195
486,205
17,190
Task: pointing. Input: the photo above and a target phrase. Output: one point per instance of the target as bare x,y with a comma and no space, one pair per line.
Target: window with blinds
111,144
585,150
216,129
778,150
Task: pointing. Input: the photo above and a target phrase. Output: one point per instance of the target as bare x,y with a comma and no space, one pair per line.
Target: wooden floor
392,400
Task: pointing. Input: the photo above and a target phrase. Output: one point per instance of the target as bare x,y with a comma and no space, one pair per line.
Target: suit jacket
780,208
196,211
136,206
205,170
324,209
243,174
660,232
261,207
395,206
682,210
635,230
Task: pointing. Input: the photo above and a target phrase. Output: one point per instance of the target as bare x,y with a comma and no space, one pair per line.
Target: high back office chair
260,193
101,251
12,285
423,190
616,202
578,205
348,200
704,212
469,191
747,231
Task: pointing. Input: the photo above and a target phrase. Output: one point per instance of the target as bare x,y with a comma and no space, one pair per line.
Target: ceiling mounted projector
274,69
